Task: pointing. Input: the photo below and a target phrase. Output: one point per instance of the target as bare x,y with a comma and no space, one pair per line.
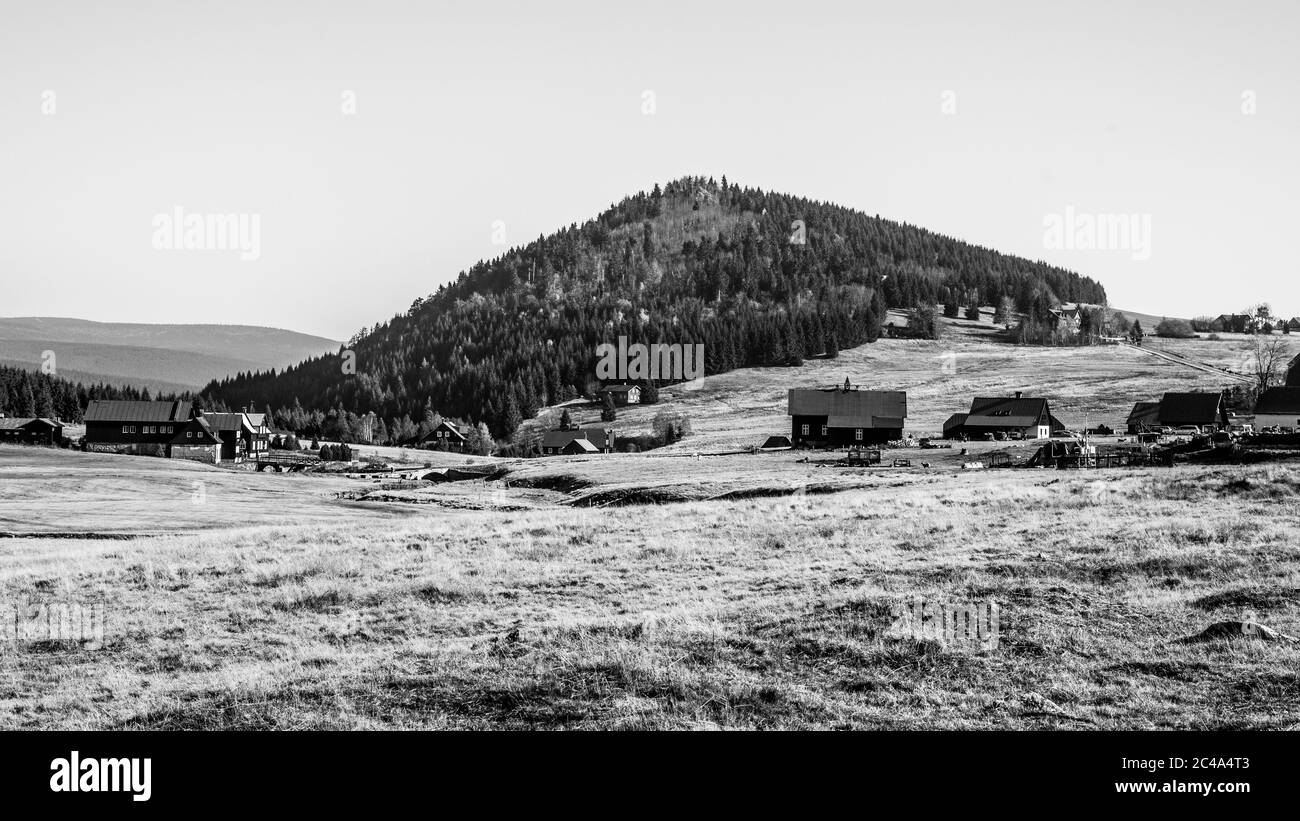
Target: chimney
1017,394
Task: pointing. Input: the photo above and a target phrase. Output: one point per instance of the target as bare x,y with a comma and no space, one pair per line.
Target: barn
1280,408
134,427
1203,410
1017,415
555,442
30,431
1144,416
845,415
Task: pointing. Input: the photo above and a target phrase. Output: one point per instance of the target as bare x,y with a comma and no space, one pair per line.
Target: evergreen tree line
697,261
26,393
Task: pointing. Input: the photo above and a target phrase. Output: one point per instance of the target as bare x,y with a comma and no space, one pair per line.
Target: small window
857,434
825,430
189,434
805,430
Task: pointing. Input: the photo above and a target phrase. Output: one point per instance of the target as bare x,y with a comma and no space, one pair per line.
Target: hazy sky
976,123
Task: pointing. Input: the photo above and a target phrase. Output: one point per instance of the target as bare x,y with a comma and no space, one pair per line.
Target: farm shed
1143,416
1201,410
845,415
30,431
1278,407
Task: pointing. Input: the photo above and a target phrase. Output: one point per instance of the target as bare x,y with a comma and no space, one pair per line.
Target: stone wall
127,448
208,454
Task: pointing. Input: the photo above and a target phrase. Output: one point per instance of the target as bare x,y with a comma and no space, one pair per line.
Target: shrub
1175,329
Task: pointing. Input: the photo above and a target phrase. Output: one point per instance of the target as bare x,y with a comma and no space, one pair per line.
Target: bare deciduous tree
1269,359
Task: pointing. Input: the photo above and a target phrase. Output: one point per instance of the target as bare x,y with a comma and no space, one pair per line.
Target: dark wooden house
1019,416
622,394
845,415
144,428
1206,411
236,433
601,440
1278,408
196,441
30,431
1144,416
446,436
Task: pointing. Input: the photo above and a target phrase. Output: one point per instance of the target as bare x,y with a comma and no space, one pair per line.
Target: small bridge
284,461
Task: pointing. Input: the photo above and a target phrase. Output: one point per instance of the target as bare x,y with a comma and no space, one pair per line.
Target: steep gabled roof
16,422
581,446
199,425
115,410
618,388
955,421
1007,412
602,437
851,408
1195,408
1281,401
233,422
1144,413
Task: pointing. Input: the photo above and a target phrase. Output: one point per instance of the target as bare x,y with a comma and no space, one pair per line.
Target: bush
1175,329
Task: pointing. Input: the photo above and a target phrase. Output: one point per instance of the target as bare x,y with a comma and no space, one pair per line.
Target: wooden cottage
134,427
845,415
1144,416
556,442
1205,411
1019,415
622,394
1278,407
236,432
196,441
30,431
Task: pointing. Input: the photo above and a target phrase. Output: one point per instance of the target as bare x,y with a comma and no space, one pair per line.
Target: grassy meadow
758,613
685,588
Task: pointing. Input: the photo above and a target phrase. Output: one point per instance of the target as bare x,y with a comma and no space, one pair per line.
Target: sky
375,150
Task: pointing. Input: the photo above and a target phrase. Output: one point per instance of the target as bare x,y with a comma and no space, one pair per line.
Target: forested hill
696,262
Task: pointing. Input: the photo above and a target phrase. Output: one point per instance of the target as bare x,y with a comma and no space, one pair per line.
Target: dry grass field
765,613
725,591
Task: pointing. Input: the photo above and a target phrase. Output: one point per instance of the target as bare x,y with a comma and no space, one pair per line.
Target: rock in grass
1223,630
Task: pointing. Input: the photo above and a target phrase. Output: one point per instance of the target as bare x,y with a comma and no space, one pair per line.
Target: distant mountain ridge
162,357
